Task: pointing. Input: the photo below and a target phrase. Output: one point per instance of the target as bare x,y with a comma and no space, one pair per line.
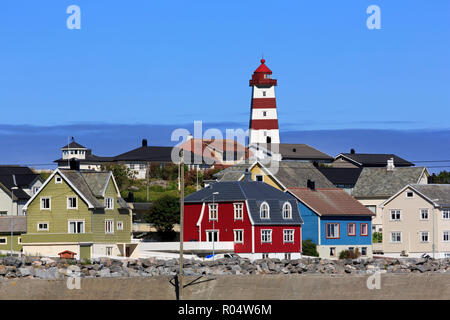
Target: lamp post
12,216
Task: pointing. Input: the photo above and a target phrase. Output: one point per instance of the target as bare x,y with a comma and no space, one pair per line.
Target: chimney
390,164
130,198
144,142
247,175
310,184
74,164
352,151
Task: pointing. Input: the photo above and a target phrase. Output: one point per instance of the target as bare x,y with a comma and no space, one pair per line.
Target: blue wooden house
334,221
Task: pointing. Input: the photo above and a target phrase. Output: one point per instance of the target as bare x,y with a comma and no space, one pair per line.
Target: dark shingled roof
341,176
255,193
375,159
24,178
147,153
73,144
19,224
381,183
291,151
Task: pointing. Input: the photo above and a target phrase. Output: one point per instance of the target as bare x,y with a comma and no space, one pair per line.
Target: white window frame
119,225
76,226
288,236
238,211
109,251
448,236
421,234
396,211
19,240
111,221
111,202
261,211
259,175
58,179
49,203
420,214
213,208
236,238
212,231
446,212
6,240
406,194
287,205
43,222
401,237
267,235
337,234
76,202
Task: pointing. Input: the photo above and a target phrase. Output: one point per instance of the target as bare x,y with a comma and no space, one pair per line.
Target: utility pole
181,223
147,174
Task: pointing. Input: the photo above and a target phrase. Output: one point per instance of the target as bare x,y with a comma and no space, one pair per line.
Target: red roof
263,67
331,201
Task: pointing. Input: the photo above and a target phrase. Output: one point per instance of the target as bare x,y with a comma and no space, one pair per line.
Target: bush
377,237
349,254
309,248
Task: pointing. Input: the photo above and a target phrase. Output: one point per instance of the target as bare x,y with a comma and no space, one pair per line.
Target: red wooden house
259,219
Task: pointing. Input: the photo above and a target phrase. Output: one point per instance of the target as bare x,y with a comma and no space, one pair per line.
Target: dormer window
287,211
264,211
58,179
409,194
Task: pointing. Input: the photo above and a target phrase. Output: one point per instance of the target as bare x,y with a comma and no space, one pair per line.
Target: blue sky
168,63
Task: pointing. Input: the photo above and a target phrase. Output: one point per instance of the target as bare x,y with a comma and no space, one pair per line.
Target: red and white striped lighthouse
263,120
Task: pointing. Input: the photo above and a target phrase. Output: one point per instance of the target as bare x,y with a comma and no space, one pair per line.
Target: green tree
442,177
164,213
123,175
377,237
309,248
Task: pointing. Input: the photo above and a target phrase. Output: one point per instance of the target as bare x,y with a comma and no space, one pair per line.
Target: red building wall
191,216
277,244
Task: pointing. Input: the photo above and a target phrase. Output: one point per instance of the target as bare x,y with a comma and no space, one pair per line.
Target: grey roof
301,152
381,183
290,174
375,159
91,184
19,224
435,191
341,176
74,145
255,193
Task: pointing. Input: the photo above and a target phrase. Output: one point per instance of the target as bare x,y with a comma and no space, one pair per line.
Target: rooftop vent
310,184
247,175
144,142
352,151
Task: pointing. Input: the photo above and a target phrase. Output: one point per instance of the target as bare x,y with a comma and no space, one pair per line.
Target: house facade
415,219
334,221
18,225
261,221
80,211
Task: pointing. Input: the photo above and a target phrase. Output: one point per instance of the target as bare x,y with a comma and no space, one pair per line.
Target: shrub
309,248
377,237
349,254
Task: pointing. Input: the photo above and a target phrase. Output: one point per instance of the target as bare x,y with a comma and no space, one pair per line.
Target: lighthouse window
264,113
264,93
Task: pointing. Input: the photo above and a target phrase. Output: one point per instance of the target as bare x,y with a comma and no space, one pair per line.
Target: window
288,236
409,194
76,226
109,226
396,237
109,203
266,236
332,251
3,213
424,236
35,190
446,214
364,229
108,251
264,93
3,241
212,235
72,203
119,225
395,215
45,203
238,211
42,226
132,166
332,230
287,211
213,208
58,179
264,211
142,166
287,256
351,229
265,256
364,251
259,177
239,236
19,240
423,214
446,236
264,113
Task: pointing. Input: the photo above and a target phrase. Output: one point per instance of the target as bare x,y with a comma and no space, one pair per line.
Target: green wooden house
80,211
18,224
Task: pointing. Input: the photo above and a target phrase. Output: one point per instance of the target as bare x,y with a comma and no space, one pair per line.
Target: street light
12,214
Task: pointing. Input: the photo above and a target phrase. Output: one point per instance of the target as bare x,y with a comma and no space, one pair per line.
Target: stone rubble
46,268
